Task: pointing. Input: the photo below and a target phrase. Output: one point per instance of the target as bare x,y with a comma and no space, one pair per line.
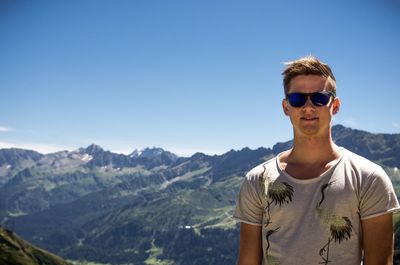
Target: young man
316,203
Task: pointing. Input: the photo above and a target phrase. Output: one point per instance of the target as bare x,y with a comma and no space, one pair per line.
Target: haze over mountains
149,207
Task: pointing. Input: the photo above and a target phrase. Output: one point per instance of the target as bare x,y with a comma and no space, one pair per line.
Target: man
316,203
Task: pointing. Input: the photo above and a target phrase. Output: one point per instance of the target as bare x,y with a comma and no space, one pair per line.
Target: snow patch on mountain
86,157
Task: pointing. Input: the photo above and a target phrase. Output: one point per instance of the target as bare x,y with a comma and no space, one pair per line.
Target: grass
217,218
154,253
16,251
84,262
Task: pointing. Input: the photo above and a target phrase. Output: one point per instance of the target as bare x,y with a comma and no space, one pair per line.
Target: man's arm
378,240
250,249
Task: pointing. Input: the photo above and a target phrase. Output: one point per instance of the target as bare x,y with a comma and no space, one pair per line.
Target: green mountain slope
16,251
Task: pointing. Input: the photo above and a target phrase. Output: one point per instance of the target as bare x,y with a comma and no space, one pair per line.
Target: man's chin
310,130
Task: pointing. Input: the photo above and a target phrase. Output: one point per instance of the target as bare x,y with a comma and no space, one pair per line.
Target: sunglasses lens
320,98
297,99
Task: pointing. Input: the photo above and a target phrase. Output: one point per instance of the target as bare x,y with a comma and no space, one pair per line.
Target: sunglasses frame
309,95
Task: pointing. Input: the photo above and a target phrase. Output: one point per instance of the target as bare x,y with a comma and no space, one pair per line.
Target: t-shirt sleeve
378,196
249,207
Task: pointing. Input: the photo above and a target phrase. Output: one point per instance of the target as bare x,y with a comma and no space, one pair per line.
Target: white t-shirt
315,221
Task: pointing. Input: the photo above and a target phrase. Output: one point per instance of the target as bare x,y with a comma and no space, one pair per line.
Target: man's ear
285,107
336,106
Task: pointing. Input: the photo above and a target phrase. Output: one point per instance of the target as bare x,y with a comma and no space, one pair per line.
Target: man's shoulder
359,162
262,169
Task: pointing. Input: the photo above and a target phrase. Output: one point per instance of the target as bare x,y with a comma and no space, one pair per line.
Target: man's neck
313,149
310,157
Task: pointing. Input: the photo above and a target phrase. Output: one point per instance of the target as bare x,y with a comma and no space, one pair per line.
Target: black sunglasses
319,99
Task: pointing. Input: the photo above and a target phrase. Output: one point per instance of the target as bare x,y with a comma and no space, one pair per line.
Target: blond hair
308,65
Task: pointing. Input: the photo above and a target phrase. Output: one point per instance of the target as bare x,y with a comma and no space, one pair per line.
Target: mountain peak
136,153
92,149
12,155
151,152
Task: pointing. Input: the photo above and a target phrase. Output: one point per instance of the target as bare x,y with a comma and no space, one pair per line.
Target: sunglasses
319,99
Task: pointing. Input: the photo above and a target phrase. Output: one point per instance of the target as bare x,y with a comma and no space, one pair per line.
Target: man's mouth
309,118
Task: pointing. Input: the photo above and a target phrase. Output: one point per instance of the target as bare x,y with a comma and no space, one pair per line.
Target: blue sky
186,76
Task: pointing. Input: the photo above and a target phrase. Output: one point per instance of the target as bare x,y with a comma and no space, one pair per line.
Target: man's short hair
308,65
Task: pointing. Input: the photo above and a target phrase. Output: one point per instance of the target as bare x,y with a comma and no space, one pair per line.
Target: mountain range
148,207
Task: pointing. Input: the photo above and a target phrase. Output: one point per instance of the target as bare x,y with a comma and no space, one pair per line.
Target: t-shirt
315,221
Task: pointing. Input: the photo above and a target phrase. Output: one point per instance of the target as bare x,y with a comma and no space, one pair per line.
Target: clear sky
183,75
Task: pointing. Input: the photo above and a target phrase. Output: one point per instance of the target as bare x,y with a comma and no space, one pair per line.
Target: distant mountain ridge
114,208
377,147
381,148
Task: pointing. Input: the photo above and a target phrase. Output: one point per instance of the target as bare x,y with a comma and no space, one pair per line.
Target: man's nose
309,103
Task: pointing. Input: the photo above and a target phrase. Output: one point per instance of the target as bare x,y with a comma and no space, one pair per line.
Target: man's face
309,119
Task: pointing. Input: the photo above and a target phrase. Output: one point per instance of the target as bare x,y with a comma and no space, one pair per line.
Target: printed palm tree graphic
267,235
340,226
276,192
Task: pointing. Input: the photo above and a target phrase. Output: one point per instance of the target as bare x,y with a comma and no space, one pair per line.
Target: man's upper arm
250,248
378,240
